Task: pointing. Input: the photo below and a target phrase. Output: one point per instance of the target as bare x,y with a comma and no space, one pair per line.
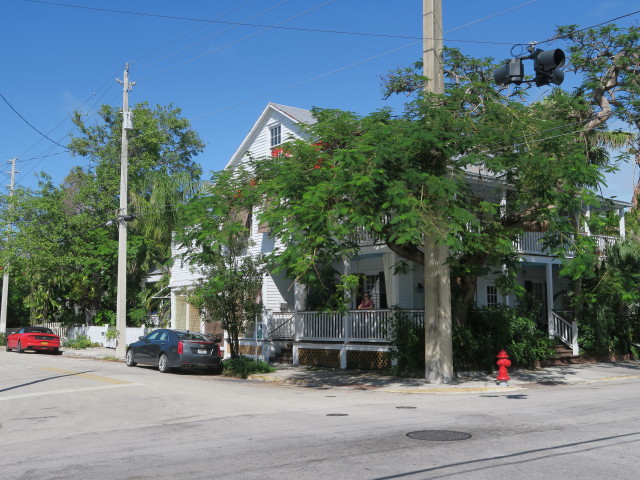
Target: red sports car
33,338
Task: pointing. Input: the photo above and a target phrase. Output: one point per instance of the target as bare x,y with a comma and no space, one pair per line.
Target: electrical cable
139,69
244,24
189,33
235,41
27,121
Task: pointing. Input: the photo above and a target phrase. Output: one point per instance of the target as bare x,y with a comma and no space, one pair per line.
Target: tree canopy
63,253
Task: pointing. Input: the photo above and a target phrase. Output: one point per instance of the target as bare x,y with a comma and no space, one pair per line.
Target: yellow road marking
85,375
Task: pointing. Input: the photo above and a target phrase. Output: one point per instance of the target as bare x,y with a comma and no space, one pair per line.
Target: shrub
80,342
3,338
242,367
476,344
407,345
491,329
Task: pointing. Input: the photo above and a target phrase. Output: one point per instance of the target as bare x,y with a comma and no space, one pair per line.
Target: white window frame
275,135
492,296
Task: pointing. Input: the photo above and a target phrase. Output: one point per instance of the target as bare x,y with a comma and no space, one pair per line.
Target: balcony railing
531,243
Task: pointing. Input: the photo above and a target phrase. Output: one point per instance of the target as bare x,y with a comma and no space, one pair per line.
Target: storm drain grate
439,435
405,406
337,414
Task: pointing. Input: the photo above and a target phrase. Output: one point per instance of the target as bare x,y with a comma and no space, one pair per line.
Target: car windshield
38,330
193,336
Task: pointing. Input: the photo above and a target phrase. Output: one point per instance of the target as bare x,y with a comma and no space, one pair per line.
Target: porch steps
284,356
563,356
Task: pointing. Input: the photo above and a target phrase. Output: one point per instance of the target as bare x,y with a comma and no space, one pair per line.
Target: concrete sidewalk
520,379
311,377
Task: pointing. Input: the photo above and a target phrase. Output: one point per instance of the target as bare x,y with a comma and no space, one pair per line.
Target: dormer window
276,135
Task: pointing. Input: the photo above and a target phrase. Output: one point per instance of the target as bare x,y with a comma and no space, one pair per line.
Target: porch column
503,204
621,224
391,281
299,300
549,274
346,270
587,215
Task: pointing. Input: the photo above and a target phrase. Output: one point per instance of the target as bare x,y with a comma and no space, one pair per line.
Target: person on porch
367,303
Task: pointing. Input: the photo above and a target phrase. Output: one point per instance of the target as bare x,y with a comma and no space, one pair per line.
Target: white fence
99,334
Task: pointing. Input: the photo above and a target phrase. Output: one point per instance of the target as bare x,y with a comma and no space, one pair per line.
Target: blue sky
58,59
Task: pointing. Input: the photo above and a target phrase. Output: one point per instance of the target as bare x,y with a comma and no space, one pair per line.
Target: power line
244,24
277,26
606,22
212,36
192,31
27,121
237,41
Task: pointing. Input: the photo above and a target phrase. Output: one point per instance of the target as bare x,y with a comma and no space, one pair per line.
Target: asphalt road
70,418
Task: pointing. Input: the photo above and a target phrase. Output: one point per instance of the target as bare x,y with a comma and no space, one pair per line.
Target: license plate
44,343
202,351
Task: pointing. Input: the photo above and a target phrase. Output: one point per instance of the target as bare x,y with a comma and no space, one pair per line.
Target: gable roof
296,115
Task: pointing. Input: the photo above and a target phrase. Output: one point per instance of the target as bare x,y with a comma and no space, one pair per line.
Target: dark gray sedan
173,349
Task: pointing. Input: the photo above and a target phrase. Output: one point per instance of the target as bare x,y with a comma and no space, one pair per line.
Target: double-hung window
276,135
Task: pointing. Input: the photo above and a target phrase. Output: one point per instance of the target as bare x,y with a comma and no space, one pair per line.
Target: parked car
167,349
34,338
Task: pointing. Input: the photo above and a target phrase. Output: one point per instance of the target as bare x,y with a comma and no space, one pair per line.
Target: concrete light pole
437,290
5,277
121,300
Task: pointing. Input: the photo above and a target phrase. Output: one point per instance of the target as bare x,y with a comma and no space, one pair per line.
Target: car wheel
130,362
163,363
19,347
8,349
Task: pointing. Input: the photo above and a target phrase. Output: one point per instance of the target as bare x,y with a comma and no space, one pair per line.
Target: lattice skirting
367,360
315,357
249,350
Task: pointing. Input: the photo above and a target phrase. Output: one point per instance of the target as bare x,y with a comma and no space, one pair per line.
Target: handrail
565,331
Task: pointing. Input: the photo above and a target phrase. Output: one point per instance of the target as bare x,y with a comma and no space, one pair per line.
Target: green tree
215,235
63,252
384,173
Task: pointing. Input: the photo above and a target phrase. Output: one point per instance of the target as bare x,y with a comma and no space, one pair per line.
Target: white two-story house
357,338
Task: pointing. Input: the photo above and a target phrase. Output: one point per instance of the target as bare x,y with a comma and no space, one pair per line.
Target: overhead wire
315,30
236,41
27,121
246,24
389,52
171,42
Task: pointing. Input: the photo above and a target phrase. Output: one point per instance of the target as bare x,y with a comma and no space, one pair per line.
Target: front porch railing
280,325
351,326
565,331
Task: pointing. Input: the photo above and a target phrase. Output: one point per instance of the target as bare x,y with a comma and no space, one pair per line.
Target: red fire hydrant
503,362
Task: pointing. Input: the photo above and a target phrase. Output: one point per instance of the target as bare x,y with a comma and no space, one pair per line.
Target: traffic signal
511,72
546,63
548,66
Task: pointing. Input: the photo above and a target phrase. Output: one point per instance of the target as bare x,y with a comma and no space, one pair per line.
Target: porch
350,339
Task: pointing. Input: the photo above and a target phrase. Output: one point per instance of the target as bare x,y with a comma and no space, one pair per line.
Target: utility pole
438,352
5,277
121,300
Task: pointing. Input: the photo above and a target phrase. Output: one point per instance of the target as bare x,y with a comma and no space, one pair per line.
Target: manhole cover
438,435
337,414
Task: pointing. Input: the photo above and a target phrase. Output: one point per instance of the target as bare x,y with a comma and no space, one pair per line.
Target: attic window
276,135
